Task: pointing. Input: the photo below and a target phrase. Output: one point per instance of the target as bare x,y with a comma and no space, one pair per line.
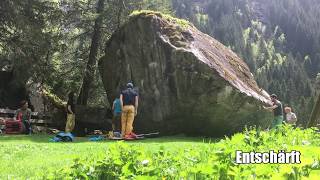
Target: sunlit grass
23,156
35,157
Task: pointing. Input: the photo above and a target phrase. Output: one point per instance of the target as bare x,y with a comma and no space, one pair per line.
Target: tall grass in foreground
214,161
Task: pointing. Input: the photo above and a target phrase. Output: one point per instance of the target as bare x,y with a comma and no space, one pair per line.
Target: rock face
188,82
89,119
12,91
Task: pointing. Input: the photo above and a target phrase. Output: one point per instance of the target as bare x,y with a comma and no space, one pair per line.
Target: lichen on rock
188,82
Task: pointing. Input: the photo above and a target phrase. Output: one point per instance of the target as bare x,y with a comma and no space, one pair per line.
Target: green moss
173,27
55,100
181,22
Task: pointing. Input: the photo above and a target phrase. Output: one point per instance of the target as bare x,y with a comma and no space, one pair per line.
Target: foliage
26,38
56,101
49,42
216,160
42,157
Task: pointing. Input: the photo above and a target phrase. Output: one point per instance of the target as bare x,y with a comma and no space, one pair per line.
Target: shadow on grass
180,138
165,139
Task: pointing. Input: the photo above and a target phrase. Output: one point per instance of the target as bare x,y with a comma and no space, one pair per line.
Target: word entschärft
271,157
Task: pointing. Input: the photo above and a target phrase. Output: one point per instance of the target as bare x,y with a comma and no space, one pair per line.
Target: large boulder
188,82
89,119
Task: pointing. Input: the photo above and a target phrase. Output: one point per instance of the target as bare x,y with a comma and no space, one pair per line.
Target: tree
315,115
91,65
26,36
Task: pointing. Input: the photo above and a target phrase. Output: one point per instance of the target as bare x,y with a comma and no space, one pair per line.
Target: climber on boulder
277,111
129,104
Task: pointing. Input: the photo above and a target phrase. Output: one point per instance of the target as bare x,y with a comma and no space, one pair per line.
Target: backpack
117,106
63,137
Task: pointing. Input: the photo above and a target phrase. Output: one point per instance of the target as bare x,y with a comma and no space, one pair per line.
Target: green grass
34,157
23,156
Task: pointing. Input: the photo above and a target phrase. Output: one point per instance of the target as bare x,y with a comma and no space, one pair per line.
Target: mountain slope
279,40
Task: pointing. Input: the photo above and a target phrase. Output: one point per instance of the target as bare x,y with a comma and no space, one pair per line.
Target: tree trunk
315,115
121,6
91,65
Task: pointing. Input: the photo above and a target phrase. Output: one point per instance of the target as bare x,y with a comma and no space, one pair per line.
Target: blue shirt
117,106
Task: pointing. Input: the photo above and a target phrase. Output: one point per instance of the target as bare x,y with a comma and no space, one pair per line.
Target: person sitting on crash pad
129,104
24,115
277,111
116,118
70,113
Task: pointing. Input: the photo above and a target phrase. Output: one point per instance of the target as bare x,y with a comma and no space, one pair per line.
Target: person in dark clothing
70,113
24,115
277,111
129,103
29,103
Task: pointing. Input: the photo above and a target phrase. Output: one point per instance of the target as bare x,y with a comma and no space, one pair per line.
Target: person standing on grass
277,111
291,117
129,103
24,115
116,118
70,113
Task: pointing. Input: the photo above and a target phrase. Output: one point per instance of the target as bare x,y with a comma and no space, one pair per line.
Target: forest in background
58,43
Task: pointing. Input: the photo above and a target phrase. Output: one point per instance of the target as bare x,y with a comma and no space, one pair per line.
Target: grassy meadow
178,157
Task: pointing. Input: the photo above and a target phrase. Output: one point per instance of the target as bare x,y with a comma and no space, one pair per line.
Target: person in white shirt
291,117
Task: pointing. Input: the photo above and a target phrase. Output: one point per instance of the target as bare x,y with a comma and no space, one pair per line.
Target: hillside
278,39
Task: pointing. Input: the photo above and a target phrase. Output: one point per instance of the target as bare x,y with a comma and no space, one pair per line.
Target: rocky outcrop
89,119
188,82
12,90
13,81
